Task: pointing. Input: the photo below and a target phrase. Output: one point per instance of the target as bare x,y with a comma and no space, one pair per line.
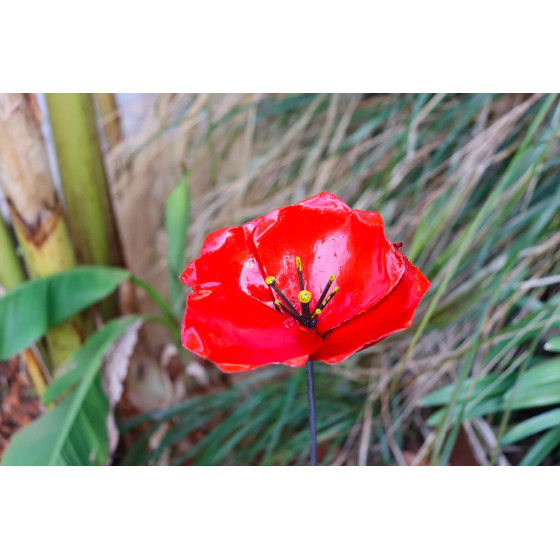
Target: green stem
86,191
171,325
160,302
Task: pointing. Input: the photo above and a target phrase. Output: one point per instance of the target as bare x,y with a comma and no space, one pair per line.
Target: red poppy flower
313,281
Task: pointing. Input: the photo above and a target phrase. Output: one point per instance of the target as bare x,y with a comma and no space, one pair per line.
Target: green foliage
28,311
177,217
536,387
263,420
533,426
75,431
553,344
543,447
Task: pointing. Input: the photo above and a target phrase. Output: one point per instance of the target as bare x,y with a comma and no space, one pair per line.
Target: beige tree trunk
36,212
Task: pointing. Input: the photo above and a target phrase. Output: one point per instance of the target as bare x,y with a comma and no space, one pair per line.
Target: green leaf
479,409
75,431
177,217
536,455
553,344
543,395
538,386
73,369
29,311
543,374
442,396
533,426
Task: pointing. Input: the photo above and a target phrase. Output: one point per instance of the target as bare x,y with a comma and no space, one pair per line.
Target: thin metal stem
312,414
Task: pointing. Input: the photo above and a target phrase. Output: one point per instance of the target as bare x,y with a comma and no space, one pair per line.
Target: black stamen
307,319
284,298
332,294
290,312
318,311
300,274
324,294
305,311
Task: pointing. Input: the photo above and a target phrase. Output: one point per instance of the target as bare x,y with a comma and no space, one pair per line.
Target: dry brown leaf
115,370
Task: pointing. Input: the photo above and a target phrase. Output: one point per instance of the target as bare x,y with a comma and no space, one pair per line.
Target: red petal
394,313
330,238
228,257
239,333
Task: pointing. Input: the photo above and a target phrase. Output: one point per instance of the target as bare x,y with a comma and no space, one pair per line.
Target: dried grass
429,164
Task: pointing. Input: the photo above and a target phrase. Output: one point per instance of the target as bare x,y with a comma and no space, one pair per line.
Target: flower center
306,317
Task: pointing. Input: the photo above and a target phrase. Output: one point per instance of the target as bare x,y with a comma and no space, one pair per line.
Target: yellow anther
277,303
331,278
304,296
298,263
330,296
316,313
270,280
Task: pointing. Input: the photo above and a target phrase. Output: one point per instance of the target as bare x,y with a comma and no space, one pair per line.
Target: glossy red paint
231,318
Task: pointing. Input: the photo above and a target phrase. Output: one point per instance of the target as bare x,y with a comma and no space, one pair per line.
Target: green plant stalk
160,302
90,212
11,271
177,217
36,212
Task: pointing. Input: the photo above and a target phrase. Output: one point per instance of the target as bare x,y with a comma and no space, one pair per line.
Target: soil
19,404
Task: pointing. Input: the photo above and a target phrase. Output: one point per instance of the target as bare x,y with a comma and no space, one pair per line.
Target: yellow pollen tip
270,280
331,278
316,312
277,303
304,296
298,263
330,296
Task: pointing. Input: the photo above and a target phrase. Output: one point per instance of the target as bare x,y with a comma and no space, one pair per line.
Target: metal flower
312,281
